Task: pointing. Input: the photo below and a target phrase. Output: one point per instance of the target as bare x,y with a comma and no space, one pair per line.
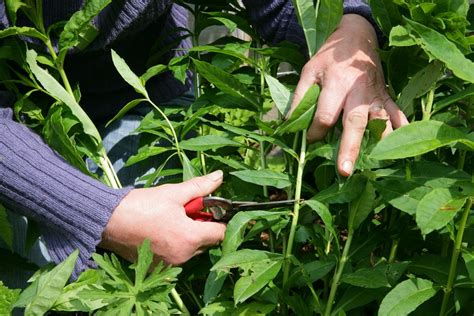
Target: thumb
199,186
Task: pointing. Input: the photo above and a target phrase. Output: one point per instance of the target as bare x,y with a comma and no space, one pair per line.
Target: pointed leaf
24,31
406,297
361,207
329,14
49,286
208,142
302,116
281,95
441,48
58,92
418,138
306,14
79,30
437,209
226,82
259,276
245,257
128,75
130,105
264,177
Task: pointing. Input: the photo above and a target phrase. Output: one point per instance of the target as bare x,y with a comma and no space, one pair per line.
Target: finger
197,187
377,111
397,117
309,77
354,123
209,233
329,108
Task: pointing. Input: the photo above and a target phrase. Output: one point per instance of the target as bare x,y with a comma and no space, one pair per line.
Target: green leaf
6,231
226,82
259,275
328,16
402,194
58,92
437,209
434,267
406,297
234,234
254,309
401,37
189,171
145,153
79,30
12,7
208,142
24,31
306,14
355,297
152,72
420,84
344,193
386,14
361,207
441,48
311,272
145,259
323,212
128,75
130,105
244,257
302,116
56,133
469,260
264,177
218,309
445,102
418,138
7,299
281,95
371,278
179,66
48,286
85,294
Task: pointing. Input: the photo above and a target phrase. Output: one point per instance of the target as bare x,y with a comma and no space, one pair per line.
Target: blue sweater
72,208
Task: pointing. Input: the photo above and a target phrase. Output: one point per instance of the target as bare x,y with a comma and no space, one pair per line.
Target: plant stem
455,257
338,274
393,250
179,302
296,208
59,67
427,105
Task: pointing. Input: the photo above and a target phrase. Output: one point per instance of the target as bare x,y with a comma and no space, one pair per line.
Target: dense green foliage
397,237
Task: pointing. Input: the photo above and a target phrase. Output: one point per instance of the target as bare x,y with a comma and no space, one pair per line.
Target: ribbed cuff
71,207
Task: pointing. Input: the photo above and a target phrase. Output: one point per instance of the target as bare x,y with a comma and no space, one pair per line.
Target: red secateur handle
194,208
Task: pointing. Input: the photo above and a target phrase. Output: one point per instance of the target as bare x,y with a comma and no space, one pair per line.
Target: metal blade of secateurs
247,206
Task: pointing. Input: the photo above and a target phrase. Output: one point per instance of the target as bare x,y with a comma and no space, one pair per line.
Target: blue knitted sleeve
276,20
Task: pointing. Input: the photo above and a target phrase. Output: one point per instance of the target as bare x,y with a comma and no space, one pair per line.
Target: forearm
276,21
72,208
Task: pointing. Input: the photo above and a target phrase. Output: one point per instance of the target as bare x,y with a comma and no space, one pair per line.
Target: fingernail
347,166
216,175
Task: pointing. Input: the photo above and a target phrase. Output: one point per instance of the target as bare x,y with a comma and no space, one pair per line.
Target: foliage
394,238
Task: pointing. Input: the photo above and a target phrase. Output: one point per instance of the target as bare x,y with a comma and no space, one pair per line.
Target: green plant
394,238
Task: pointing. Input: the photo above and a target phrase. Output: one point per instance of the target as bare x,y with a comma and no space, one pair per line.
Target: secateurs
222,210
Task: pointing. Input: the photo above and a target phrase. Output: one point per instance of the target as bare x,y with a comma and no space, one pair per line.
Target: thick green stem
455,257
427,105
338,274
179,302
296,209
393,251
59,67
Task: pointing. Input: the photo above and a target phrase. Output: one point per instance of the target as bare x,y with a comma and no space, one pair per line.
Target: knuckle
325,119
357,121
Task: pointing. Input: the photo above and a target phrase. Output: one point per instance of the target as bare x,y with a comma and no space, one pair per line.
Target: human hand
158,214
348,69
